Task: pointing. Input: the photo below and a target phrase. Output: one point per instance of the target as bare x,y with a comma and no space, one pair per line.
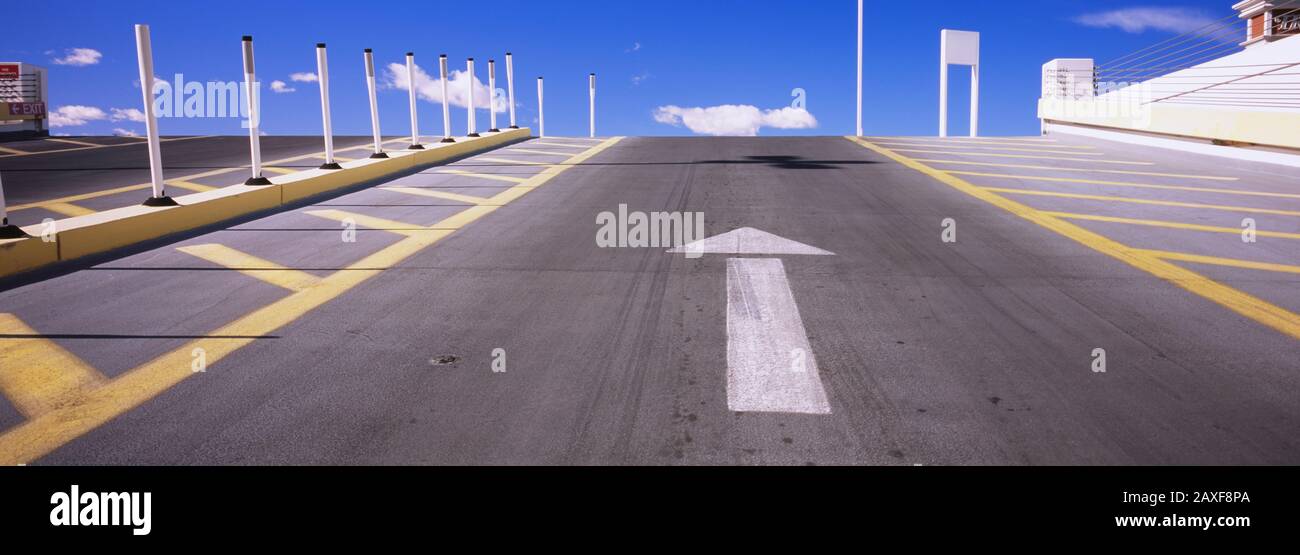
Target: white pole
4,211
492,97
541,114
860,16
254,115
591,97
446,108
943,94
410,82
374,105
144,54
323,77
975,100
469,83
510,88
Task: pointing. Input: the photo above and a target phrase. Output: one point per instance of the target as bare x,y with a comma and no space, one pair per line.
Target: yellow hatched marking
437,194
1024,156
967,139
546,143
72,142
1004,149
14,151
372,222
252,266
281,171
1218,261
510,161
189,185
1133,185
496,177
41,435
1092,170
968,143
1168,224
67,209
529,151
1143,201
38,375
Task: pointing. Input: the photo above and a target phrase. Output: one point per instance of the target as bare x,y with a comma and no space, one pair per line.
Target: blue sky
648,55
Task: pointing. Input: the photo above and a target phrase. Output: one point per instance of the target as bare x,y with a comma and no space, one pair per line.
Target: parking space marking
39,436
438,194
1093,170
38,375
510,161
1240,302
1024,156
1016,140
1108,198
546,143
1133,185
496,177
1168,224
371,222
546,152
1220,261
1056,150
252,266
14,152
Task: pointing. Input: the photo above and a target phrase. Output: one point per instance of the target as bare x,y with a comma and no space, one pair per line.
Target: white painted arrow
770,365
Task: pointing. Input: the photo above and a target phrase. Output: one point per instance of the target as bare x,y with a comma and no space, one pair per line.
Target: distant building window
1257,26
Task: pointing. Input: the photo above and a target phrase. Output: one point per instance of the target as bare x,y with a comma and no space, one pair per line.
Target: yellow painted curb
111,229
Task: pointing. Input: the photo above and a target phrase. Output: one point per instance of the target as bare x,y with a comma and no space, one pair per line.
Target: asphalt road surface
471,323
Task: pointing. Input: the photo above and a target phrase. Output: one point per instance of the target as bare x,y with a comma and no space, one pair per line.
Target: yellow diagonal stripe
1024,156
544,143
189,185
437,194
1002,149
530,151
1171,225
1142,201
249,265
37,375
1133,185
496,177
66,209
510,161
15,151
372,222
1090,170
281,171
1219,261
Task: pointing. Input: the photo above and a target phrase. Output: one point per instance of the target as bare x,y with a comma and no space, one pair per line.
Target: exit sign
9,71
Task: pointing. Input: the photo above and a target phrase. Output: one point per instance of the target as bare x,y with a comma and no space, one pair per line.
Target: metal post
254,116
591,96
860,16
943,98
469,83
410,82
492,97
446,108
144,54
374,105
975,100
541,113
510,88
7,231
323,77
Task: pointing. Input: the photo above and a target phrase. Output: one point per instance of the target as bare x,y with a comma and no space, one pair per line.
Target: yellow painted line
14,151
1219,261
1092,170
437,194
372,222
190,186
281,171
23,153
67,209
1134,185
72,142
967,139
964,143
249,265
38,375
1144,201
338,158
528,151
510,161
1025,156
1249,306
496,177
39,436
83,196
1171,225
542,143
1003,149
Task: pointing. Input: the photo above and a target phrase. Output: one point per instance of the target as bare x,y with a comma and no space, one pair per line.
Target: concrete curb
120,227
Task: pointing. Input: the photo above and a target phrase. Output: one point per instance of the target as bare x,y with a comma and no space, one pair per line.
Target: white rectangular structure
959,48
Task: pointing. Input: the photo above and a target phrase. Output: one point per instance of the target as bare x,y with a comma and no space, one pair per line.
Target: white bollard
492,97
254,115
541,114
591,95
469,82
323,77
860,16
144,54
7,231
410,82
446,108
374,105
510,88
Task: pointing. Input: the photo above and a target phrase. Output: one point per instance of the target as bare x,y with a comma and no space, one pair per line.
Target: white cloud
430,88
636,46
125,132
74,115
640,78
126,114
1137,20
278,86
79,57
303,77
734,120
